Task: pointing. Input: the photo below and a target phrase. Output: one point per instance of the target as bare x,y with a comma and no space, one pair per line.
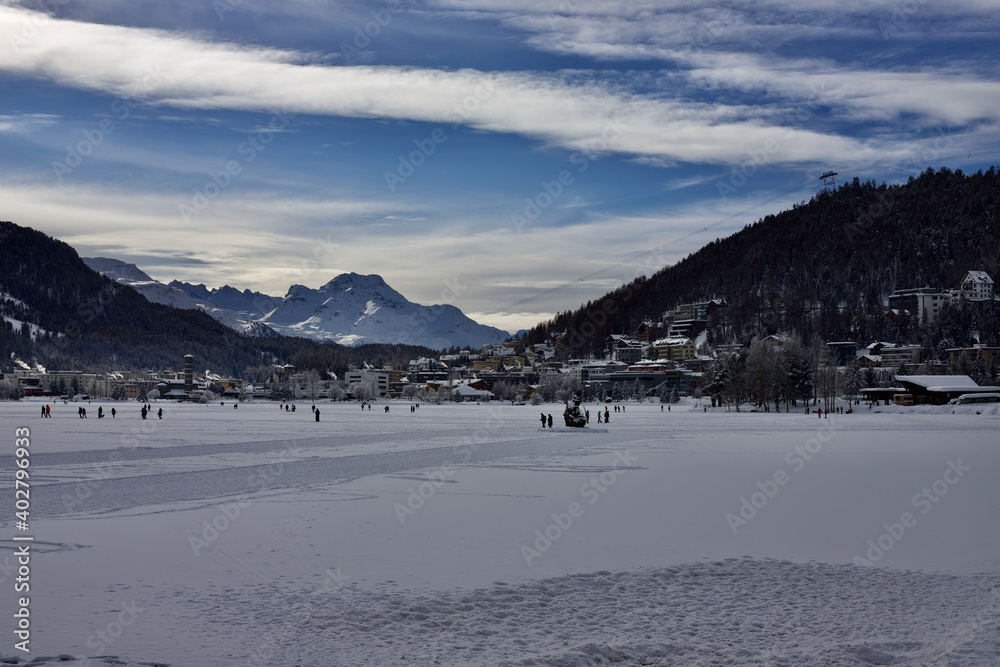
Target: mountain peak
347,281
116,269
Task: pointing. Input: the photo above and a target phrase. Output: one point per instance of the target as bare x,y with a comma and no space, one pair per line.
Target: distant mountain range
351,309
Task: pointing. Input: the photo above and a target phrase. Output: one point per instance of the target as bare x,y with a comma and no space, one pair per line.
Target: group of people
81,412
146,409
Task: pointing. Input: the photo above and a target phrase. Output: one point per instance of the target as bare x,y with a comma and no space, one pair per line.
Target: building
624,349
939,389
977,286
674,348
901,354
919,302
380,379
991,355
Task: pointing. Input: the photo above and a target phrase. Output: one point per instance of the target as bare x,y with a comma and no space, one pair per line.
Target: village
637,365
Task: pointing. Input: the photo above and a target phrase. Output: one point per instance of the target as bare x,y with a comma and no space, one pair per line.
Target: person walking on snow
543,420
550,421
316,410
160,413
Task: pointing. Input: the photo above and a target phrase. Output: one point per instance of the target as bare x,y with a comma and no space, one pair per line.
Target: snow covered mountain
175,294
353,309
133,276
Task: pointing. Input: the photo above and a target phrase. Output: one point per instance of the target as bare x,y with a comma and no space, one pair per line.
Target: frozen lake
465,534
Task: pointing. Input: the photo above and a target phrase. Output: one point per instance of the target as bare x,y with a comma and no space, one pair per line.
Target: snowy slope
133,276
250,305
173,295
352,309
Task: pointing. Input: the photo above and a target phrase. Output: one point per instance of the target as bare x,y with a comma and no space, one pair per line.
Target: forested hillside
825,268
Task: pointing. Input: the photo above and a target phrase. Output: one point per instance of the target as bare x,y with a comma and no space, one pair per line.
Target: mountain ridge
350,309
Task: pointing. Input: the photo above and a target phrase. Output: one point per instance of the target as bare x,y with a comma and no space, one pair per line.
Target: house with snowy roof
977,286
674,348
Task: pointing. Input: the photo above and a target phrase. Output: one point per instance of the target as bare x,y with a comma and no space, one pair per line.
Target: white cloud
571,111
24,123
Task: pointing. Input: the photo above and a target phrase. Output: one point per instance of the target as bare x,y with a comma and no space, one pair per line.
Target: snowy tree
980,372
335,393
119,393
11,390
853,380
871,377
674,396
207,396
142,396
799,374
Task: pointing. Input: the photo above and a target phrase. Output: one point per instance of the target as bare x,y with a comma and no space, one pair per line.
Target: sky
514,159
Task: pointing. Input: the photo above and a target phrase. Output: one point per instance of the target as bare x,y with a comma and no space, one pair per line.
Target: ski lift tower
829,181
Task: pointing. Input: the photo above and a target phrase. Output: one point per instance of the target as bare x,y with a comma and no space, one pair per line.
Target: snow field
251,537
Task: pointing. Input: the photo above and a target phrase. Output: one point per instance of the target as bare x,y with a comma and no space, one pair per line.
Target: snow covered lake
467,535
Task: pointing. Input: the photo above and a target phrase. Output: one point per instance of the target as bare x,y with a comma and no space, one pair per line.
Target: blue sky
503,148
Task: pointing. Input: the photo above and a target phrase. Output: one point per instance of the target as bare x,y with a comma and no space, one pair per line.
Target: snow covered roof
672,341
980,277
936,382
466,390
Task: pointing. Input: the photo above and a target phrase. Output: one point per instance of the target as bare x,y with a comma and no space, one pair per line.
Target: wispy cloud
24,123
573,111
